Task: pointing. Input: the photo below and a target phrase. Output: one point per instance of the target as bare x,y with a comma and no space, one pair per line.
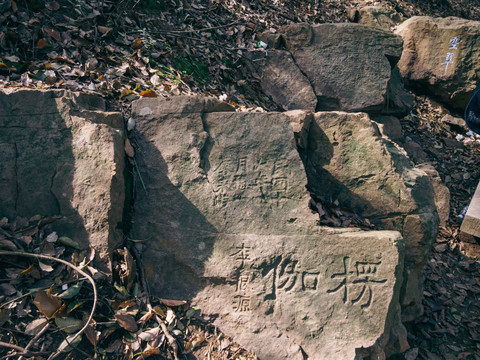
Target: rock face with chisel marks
441,56
226,224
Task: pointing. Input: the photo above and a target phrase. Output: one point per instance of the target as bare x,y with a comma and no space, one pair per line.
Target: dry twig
141,272
77,269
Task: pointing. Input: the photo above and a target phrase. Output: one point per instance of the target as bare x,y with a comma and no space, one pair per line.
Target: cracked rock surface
225,214
59,157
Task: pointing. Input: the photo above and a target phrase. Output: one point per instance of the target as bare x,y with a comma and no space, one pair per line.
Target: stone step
471,222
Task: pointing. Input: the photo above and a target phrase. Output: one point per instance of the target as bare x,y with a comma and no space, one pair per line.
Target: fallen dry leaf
172,303
129,149
47,304
54,34
35,326
127,322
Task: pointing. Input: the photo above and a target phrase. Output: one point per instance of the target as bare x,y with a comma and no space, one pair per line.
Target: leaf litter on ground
123,50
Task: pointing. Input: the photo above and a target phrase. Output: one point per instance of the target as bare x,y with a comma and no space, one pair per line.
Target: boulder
347,160
348,67
390,127
284,82
441,192
375,15
457,122
441,57
62,154
226,222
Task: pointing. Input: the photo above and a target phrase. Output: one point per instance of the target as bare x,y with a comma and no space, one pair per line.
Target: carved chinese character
241,303
287,276
454,42
242,166
242,254
309,280
280,184
363,275
242,282
221,198
448,60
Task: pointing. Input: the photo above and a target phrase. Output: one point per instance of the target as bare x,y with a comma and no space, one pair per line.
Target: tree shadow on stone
178,238
38,161
323,185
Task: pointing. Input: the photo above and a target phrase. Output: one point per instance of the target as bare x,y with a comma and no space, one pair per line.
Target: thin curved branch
35,338
22,350
77,269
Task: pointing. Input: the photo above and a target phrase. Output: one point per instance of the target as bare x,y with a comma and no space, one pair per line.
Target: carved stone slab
62,154
227,226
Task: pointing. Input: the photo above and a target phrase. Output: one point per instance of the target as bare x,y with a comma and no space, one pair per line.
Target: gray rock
390,127
455,121
376,16
278,71
61,158
344,66
442,193
441,57
348,160
225,217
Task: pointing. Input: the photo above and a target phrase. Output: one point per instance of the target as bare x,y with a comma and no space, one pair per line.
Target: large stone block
60,158
349,161
227,226
441,56
348,67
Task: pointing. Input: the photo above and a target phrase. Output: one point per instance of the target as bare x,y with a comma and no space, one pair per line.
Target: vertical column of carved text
242,300
454,42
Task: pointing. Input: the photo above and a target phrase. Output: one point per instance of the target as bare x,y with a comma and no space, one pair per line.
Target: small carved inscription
454,42
361,275
241,254
242,301
288,275
234,179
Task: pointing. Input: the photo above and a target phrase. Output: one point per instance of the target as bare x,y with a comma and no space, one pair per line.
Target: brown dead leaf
127,322
149,93
129,149
158,310
151,351
42,44
171,303
92,334
47,304
137,44
54,34
7,289
194,343
104,30
4,316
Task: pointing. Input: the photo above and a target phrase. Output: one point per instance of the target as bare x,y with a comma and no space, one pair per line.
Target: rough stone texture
279,69
415,151
442,194
390,127
454,121
348,66
225,217
376,16
434,61
347,159
471,223
300,121
59,157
